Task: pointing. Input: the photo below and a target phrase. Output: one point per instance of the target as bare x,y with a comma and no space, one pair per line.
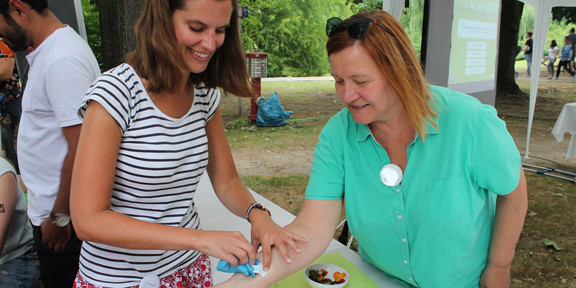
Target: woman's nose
348,93
209,40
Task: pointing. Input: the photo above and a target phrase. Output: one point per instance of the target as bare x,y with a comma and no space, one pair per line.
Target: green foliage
411,20
92,23
564,14
292,33
251,25
364,5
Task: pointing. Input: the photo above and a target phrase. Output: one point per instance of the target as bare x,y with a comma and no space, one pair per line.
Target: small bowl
330,275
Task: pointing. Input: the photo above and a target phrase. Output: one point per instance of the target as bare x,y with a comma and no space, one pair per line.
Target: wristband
255,205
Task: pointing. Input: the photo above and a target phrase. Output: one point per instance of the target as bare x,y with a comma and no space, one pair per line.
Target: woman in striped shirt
151,128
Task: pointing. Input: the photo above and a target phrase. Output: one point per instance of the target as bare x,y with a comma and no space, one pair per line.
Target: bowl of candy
324,275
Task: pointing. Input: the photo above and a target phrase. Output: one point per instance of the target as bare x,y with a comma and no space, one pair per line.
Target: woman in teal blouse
431,180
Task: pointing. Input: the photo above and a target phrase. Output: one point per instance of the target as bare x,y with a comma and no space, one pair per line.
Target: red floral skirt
196,275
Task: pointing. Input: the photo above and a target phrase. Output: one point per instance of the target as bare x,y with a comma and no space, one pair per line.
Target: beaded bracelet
257,206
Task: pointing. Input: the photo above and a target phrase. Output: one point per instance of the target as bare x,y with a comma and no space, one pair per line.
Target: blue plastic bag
270,112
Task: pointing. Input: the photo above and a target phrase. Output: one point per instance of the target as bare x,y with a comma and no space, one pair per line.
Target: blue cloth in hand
247,269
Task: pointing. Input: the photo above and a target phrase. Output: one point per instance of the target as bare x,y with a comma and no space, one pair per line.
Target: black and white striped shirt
159,165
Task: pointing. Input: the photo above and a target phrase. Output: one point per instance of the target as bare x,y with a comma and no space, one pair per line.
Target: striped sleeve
115,90
209,99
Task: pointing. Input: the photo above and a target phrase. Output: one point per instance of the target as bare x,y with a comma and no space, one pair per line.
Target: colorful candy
320,277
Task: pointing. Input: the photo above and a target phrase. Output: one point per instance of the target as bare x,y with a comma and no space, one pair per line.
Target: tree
364,5
510,17
567,14
292,33
92,23
117,20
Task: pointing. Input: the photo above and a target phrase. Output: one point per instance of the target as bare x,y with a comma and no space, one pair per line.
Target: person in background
431,197
10,102
19,266
565,56
572,38
552,53
152,127
62,67
528,52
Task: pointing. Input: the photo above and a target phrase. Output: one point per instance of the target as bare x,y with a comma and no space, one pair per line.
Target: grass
312,103
552,201
550,218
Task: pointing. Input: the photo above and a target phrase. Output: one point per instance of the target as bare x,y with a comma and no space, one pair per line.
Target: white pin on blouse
391,175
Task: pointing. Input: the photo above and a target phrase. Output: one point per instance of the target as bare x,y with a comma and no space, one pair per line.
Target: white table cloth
214,216
566,123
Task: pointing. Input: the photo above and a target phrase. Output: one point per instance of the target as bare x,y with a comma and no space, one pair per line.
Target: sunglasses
357,27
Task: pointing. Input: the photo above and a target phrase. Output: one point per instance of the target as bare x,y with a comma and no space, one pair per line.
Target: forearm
509,220
8,199
222,170
279,269
236,197
316,222
62,202
116,229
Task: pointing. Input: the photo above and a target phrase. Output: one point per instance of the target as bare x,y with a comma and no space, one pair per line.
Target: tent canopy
543,11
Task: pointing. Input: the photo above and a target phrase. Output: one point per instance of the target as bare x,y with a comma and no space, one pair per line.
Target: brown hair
394,54
157,59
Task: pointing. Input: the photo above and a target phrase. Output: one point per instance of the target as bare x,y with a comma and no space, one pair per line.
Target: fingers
297,238
280,239
230,246
266,256
237,256
251,254
281,246
54,238
284,252
292,244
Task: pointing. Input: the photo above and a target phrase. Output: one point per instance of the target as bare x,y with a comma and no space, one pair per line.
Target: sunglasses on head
357,27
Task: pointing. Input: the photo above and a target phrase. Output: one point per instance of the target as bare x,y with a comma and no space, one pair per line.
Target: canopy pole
542,19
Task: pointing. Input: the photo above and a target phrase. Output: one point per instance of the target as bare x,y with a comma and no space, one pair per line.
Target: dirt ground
544,150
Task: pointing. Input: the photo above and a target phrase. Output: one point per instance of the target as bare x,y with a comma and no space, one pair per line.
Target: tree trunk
117,20
508,47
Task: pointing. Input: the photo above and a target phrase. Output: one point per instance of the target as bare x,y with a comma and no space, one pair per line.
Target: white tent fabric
394,7
543,11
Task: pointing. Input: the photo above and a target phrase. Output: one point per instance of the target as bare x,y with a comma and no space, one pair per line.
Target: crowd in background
564,54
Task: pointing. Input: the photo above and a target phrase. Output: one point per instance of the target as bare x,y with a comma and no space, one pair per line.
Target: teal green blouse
433,229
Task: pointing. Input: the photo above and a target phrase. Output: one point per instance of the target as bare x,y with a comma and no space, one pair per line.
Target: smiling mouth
358,106
201,55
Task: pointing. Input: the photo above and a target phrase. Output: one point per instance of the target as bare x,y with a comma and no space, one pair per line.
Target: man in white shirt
62,67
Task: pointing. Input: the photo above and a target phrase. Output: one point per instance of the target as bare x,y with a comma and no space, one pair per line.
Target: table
566,123
214,216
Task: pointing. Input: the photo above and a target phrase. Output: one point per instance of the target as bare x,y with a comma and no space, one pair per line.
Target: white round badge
391,175
150,281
